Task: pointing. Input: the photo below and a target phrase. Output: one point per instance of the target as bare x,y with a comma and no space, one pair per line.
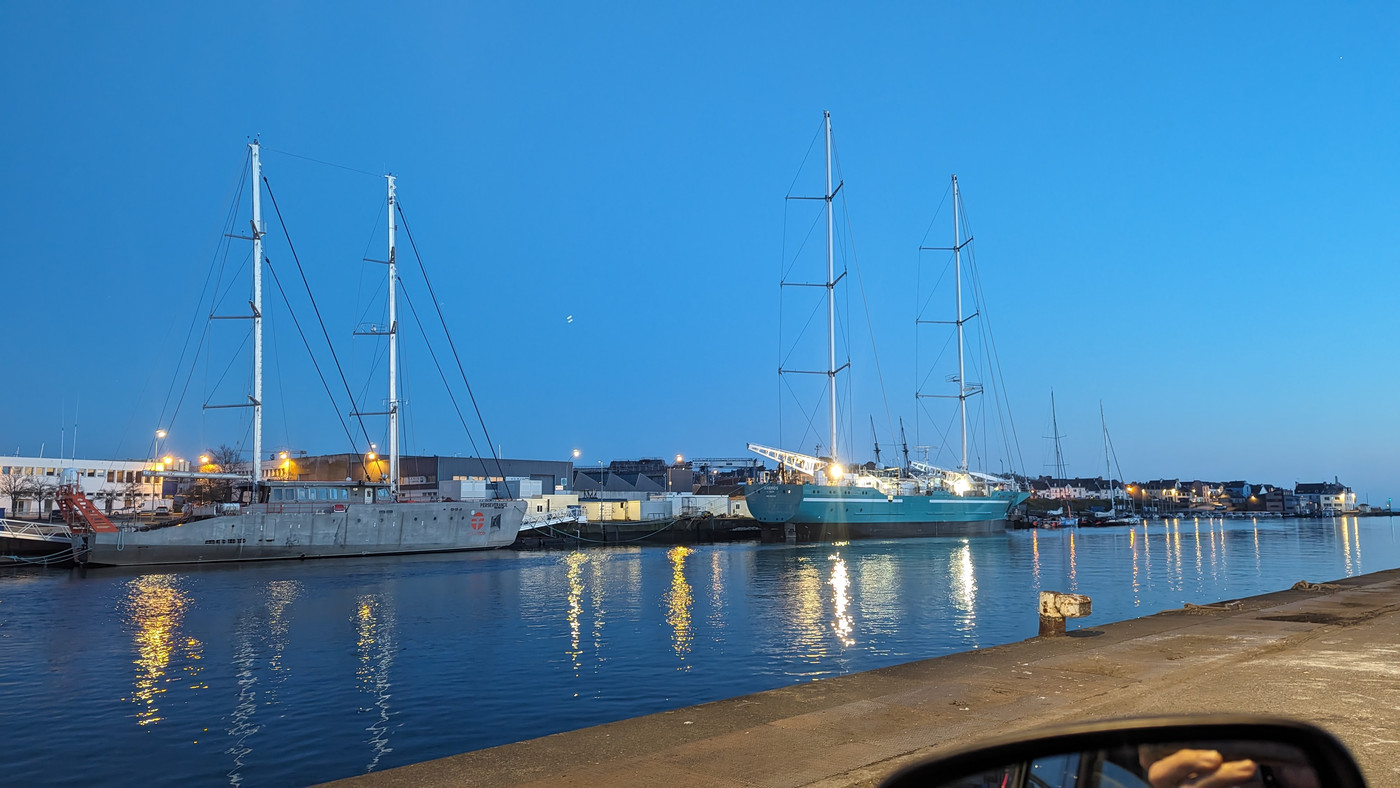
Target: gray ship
277,519
305,520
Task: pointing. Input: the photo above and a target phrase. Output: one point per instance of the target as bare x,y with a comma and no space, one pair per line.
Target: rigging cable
450,344
317,367
355,410
189,332
414,311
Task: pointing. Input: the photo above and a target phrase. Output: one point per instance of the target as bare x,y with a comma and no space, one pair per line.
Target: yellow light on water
678,602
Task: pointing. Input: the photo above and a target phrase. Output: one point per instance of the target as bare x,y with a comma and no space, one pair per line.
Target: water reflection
1073,569
376,627
963,584
574,578
596,567
241,724
841,601
678,602
252,630
717,606
1035,557
1132,546
154,609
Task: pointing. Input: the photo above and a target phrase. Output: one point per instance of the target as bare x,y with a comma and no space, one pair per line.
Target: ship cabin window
382,495
301,493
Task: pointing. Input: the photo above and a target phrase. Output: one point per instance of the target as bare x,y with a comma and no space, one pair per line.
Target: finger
1173,770
1230,774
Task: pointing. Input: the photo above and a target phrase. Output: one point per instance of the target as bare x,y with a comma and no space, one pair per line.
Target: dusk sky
1188,212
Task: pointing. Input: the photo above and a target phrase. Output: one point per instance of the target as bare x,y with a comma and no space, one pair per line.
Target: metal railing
553,518
27,529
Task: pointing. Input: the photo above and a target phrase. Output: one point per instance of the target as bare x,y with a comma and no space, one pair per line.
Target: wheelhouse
325,493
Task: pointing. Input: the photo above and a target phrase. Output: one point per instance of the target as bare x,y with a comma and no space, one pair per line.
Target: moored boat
825,502
270,519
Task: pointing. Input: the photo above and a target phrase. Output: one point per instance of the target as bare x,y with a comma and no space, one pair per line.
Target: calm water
296,672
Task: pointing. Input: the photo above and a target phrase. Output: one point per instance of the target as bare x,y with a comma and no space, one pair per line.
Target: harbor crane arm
799,462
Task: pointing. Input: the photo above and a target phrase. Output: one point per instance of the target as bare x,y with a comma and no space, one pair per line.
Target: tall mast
957,267
1055,428
830,291
1107,466
257,313
393,354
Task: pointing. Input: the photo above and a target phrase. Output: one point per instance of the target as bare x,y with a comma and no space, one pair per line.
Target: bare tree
17,488
224,459
44,492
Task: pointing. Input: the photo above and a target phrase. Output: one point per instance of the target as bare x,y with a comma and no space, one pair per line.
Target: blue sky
1187,212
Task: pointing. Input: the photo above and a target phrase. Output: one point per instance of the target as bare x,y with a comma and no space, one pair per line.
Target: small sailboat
1114,516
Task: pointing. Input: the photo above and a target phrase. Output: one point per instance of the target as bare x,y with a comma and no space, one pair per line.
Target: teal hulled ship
886,504
818,499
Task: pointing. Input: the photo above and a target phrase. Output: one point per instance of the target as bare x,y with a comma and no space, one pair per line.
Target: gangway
554,519
79,513
27,542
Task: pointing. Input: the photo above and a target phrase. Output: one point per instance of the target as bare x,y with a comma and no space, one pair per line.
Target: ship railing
318,507
28,529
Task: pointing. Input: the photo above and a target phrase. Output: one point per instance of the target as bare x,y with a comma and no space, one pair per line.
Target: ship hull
271,532
834,513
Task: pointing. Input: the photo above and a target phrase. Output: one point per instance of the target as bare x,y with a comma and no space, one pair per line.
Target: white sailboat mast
393,353
1107,465
957,267
830,292
257,313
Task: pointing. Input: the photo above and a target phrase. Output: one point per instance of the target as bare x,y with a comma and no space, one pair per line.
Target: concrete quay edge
1329,655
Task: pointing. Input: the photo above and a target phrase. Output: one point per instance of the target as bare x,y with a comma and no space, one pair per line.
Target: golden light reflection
841,601
154,608
1356,533
375,629
1073,565
1346,546
678,603
1176,544
1035,556
963,584
1132,545
574,562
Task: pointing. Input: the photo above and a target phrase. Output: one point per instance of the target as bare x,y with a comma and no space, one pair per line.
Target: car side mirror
1230,750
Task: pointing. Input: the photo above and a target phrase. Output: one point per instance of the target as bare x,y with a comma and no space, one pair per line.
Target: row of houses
1180,495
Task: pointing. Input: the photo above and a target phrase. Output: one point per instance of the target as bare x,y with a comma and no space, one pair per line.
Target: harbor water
298,672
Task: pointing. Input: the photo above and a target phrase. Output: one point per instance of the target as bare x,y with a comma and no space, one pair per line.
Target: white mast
257,314
957,266
393,354
830,292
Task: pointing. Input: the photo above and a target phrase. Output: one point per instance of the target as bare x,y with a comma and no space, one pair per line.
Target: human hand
1199,769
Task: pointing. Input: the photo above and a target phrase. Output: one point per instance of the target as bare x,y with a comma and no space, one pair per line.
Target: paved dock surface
1328,655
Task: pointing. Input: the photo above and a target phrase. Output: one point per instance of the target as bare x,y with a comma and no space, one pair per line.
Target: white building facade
29,485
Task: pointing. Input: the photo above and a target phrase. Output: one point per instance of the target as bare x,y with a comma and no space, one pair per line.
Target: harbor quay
1325,653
